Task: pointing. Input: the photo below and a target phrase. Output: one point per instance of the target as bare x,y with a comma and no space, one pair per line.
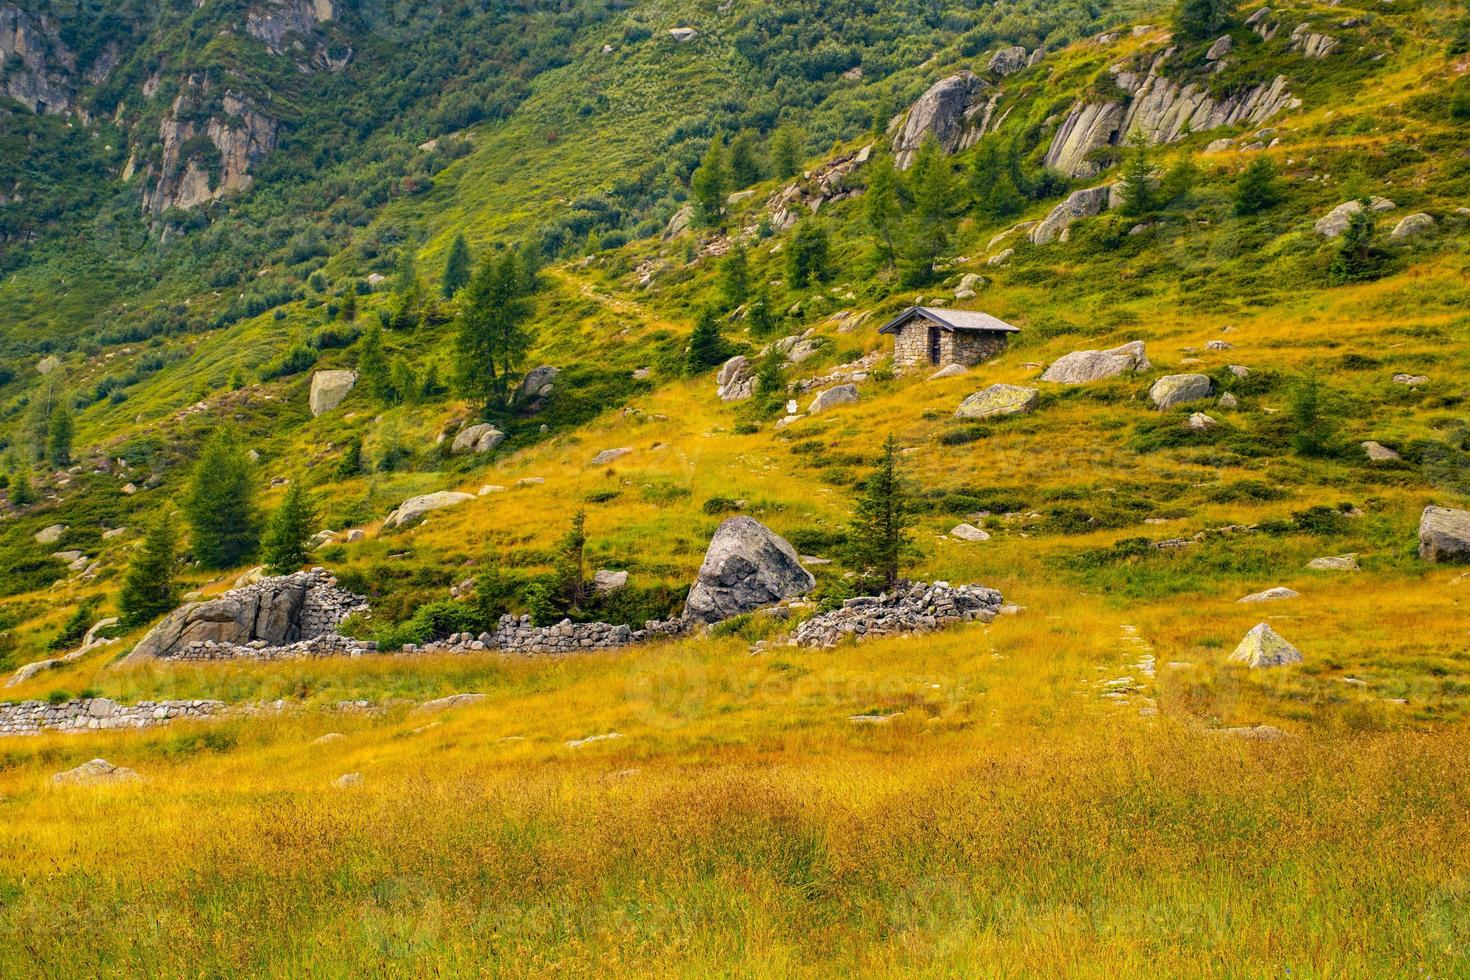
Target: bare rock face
1160,110
1078,204
746,567
1444,535
1312,43
945,112
280,23
181,177
1080,367
329,389
40,71
1264,647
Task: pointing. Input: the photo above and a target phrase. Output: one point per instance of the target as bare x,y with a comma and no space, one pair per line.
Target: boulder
747,566
1007,61
269,610
840,395
1080,367
1335,222
479,438
50,535
1411,225
1411,380
679,222
1176,389
1444,535
949,371
683,34
939,112
416,507
329,389
1264,647
736,379
449,701
26,672
1001,258
998,400
94,772
347,780
1334,563
605,581
969,283
1274,594
610,455
1200,422
1220,48
1228,400
537,382
968,532
1079,204
1379,453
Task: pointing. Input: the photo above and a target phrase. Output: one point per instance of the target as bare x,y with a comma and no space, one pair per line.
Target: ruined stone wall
98,714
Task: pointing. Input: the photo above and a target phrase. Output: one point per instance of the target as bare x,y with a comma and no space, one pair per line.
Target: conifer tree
405,276
372,365
219,504
494,336
1179,180
706,346
807,256
883,207
457,270
149,589
569,566
758,313
22,494
879,532
58,437
735,276
1138,179
287,542
351,462
1258,188
745,161
711,181
787,150
349,307
1202,20
931,189
991,183
1358,257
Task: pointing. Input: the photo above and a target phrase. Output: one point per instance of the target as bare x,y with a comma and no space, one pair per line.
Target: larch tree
219,503
879,533
457,268
494,334
287,542
149,588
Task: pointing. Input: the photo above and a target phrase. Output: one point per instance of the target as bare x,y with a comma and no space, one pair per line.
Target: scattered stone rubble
517,634
921,607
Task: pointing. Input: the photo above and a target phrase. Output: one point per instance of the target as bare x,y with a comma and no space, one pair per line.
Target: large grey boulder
736,379
1411,225
269,610
610,456
416,507
94,772
1264,647
1335,222
329,389
1444,535
1176,389
537,382
940,112
746,567
841,395
998,400
1007,61
1079,204
1274,594
1080,367
50,535
480,438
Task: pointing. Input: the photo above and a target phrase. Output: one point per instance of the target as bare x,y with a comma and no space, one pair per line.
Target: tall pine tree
372,365
494,333
787,149
735,276
1138,179
58,437
457,269
883,207
931,188
879,533
711,181
219,504
287,543
706,346
148,588
1258,188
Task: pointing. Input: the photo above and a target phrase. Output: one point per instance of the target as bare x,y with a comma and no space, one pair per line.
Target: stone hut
923,336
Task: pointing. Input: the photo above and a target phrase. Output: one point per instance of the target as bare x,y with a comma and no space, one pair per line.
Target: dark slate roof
950,320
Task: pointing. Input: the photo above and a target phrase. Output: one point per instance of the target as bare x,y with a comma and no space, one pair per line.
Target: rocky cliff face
1161,110
291,27
192,171
955,111
36,68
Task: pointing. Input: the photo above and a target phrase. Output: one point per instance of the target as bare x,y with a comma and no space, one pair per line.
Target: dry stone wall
98,714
